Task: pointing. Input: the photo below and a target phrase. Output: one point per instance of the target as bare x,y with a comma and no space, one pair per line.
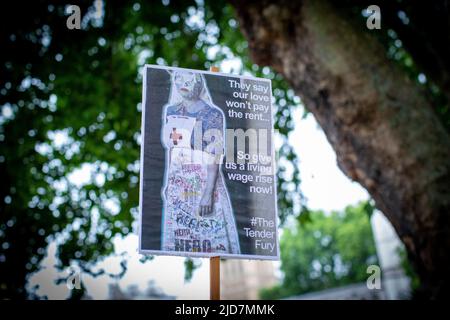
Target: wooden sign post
214,278
214,262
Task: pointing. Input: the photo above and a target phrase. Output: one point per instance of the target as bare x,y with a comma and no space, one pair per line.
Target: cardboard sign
207,183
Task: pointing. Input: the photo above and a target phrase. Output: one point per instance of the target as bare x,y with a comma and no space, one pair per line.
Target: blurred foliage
332,250
70,108
189,266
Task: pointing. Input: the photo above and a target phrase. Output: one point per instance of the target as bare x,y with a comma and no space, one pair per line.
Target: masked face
188,84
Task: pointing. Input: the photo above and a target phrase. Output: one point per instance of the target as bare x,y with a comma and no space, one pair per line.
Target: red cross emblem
175,136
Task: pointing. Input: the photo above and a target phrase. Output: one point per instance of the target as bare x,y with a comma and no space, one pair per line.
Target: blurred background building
243,279
133,293
395,283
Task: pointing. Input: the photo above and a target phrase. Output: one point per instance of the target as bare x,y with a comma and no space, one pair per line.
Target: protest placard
207,165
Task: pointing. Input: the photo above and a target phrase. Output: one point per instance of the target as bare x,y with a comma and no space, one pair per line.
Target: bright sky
324,185
322,182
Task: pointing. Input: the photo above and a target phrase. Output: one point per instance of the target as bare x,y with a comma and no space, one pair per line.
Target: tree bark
381,125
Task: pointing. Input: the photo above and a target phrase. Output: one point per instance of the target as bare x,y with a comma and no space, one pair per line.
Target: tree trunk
382,127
